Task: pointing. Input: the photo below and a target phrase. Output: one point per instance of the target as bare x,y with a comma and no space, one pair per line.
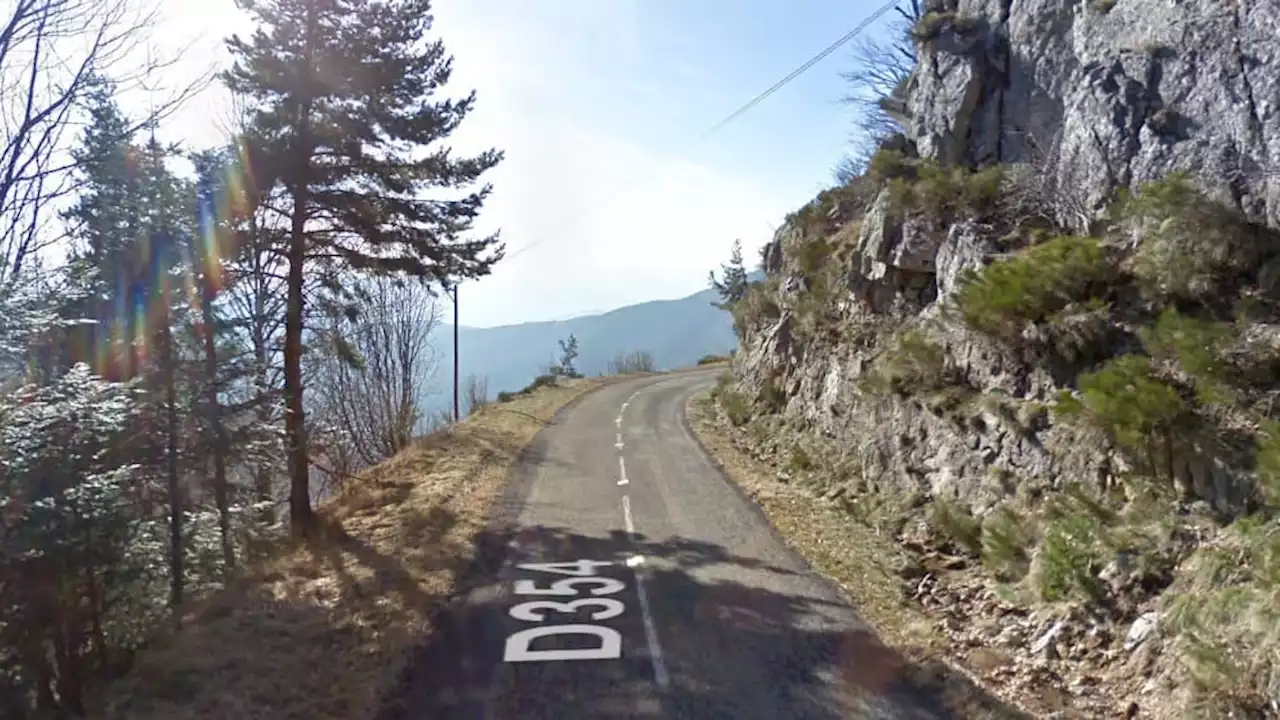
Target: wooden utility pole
456,416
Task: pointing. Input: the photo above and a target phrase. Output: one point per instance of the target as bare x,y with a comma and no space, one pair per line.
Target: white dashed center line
626,516
651,635
660,675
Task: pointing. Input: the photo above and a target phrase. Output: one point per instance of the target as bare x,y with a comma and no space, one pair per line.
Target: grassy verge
321,631
867,566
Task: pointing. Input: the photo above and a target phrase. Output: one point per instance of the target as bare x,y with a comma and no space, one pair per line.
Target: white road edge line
660,675
622,473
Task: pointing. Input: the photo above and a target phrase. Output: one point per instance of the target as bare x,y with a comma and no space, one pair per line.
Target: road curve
701,611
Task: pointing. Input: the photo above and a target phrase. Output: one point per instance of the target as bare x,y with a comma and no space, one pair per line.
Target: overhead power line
798,71
733,115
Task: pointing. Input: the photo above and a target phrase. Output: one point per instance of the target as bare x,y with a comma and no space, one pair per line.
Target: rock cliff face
1080,97
1108,92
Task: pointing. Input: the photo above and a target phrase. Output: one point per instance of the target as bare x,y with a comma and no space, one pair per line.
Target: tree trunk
264,493
301,518
171,457
214,412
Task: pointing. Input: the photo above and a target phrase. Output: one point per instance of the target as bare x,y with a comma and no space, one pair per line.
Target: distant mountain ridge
675,332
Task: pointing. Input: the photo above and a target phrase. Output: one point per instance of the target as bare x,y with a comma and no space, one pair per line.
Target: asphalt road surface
627,578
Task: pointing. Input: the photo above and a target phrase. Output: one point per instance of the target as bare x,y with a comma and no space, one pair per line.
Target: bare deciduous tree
372,385
476,392
1041,190
633,362
881,67
52,52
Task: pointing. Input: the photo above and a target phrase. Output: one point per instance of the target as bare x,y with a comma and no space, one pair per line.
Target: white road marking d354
528,611
622,471
577,568
518,647
565,587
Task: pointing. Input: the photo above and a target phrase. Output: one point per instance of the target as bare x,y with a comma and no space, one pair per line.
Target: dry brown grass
322,631
861,561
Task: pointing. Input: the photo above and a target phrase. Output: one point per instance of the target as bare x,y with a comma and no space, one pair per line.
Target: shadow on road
736,642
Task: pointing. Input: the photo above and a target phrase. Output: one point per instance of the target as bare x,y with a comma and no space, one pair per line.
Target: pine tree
159,255
107,222
568,355
347,121
734,286
214,238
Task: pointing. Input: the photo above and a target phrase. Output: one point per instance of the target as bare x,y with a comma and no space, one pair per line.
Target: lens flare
121,342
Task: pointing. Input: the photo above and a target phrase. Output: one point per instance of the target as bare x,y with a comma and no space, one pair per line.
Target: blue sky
598,105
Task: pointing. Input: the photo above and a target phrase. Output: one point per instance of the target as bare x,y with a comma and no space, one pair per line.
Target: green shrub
1078,333
1069,559
946,192
736,407
541,381
1102,7
958,525
1006,538
809,255
799,460
815,218
1189,244
1039,281
771,397
758,305
1267,464
932,24
957,189
504,396
1227,622
886,165
1196,346
913,364
816,312
712,359
1139,412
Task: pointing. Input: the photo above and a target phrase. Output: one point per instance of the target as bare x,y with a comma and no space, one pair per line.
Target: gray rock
1120,571
1141,629
964,249
1043,643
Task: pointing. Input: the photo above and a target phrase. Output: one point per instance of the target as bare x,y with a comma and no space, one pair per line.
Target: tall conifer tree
347,120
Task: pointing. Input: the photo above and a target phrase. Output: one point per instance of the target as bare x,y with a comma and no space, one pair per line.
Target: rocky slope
1040,332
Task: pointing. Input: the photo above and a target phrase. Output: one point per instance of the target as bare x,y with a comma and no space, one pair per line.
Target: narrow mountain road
635,581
